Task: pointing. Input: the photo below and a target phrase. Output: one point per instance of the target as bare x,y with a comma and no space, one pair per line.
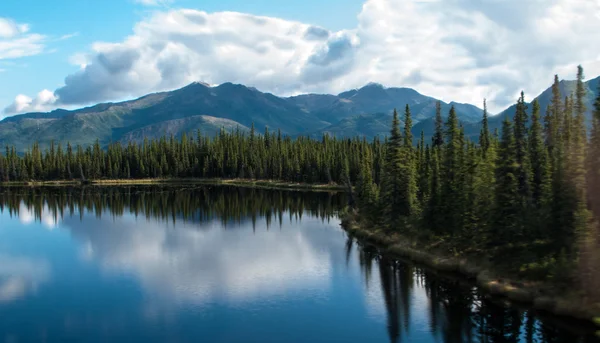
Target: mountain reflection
457,312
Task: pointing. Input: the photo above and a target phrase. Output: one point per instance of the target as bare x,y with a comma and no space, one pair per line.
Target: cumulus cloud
43,101
9,28
456,50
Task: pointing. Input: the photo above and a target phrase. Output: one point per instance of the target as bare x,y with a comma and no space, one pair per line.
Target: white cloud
9,28
460,50
68,36
16,41
44,101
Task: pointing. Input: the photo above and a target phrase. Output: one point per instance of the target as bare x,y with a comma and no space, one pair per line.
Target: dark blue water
163,264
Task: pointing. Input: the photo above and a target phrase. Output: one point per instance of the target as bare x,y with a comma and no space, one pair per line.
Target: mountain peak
373,85
200,83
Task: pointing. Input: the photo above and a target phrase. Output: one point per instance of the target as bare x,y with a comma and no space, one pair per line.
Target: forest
523,201
525,198
233,154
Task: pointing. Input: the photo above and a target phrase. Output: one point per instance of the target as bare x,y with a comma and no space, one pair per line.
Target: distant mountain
567,87
157,114
373,125
177,127
360,112
375,98
368,125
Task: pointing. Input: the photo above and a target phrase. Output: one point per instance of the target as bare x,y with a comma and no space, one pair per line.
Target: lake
223,264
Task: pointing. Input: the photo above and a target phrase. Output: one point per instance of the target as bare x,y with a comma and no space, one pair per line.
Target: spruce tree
434,218
522,152
423,172
553,116
438,136
508,208
540,165
485,181
392,203
578,153
453,174
409,168
408,137
484,136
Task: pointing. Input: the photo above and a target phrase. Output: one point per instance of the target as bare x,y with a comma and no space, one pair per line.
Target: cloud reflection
49,219
20,275
199,262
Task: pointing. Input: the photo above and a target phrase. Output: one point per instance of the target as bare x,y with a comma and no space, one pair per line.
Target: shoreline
262,184
535,295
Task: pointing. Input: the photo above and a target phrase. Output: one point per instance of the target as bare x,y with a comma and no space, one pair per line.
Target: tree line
525,198
233,154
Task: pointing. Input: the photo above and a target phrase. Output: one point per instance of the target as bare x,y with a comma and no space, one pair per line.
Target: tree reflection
456,311
231,205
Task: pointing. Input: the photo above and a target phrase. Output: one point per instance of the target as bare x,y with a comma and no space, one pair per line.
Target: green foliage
518,200
228,155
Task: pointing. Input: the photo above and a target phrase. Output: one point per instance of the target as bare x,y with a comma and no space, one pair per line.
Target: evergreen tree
484,182
484,136
453,175
540,165
394,189
508,208
579,136
408,168
438,136
522,153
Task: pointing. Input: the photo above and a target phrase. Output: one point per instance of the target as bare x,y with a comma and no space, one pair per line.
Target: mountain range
197,106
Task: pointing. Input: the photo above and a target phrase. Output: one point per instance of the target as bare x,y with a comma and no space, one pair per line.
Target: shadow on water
456,310
453,309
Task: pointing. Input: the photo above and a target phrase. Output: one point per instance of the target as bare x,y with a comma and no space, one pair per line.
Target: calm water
215,264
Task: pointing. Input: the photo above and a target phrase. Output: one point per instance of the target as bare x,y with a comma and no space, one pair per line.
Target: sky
72,53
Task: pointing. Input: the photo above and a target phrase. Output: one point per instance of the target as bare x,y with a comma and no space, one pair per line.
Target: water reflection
200,265
20,276
194,260
456,311
269,265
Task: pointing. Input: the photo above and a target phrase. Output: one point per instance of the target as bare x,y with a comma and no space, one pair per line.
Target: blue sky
459,50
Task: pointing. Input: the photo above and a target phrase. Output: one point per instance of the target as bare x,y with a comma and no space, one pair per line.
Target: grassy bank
538,295
263,184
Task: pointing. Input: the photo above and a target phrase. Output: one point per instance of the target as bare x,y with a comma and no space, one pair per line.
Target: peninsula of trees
524,201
